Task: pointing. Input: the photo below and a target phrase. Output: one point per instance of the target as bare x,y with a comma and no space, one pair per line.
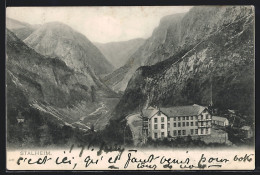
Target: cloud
100,24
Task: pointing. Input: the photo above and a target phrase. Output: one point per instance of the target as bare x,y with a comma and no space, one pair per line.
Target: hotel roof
190,110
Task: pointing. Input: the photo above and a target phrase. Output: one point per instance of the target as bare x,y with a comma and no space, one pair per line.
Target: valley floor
79,116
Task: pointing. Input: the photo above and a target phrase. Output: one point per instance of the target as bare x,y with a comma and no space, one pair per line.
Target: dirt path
135,123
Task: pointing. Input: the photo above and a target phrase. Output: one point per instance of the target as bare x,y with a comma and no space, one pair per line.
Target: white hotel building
176,121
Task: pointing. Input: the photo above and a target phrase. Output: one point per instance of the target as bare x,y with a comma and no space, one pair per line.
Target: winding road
134,121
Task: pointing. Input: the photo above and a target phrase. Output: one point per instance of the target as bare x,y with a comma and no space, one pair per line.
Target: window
155,126
196,131
184,132
174,118
187,123
207,116
175,133
196,123
207,130
196,117
179,132
183,118
183,123
174,124
168,133
155,135
162,119
191,117
201,131
179,118
168,119
191,132
191,123
162,134
187,118
155,120
179,124
168,125
162,126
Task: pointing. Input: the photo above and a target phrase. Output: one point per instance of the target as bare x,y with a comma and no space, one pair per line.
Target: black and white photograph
130,88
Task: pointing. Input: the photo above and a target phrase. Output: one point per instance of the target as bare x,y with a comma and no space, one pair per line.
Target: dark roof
149,112
183,110
217,118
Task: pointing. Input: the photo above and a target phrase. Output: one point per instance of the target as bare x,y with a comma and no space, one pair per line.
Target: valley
91,90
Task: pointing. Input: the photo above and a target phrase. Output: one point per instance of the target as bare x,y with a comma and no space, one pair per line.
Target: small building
247,131
176,121
221,121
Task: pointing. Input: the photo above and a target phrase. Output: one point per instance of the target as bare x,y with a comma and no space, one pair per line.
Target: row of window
156,135
192,132
205,123
183,124
156,126
156,120
175,124
180,124
182,118
183,132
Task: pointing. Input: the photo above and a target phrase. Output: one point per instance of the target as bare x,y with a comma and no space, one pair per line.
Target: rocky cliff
213,45
56,39
176,33
54,88
151,52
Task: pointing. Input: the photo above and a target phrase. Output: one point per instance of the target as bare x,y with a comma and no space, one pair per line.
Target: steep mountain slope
53,88
119,52
148,51
175,33
218,47
20,29
56,39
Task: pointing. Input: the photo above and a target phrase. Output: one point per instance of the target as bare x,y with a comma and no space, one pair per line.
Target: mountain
20,29
56,39
51,87
152,51
118,53
213,45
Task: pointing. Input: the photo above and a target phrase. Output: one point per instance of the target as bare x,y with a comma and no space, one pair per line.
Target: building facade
176,121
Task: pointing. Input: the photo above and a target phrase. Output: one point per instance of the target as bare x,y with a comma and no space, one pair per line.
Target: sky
100,24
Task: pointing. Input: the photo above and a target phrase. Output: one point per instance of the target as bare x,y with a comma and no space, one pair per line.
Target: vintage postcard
130,88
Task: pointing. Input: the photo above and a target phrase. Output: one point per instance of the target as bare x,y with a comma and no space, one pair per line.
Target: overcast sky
100,24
